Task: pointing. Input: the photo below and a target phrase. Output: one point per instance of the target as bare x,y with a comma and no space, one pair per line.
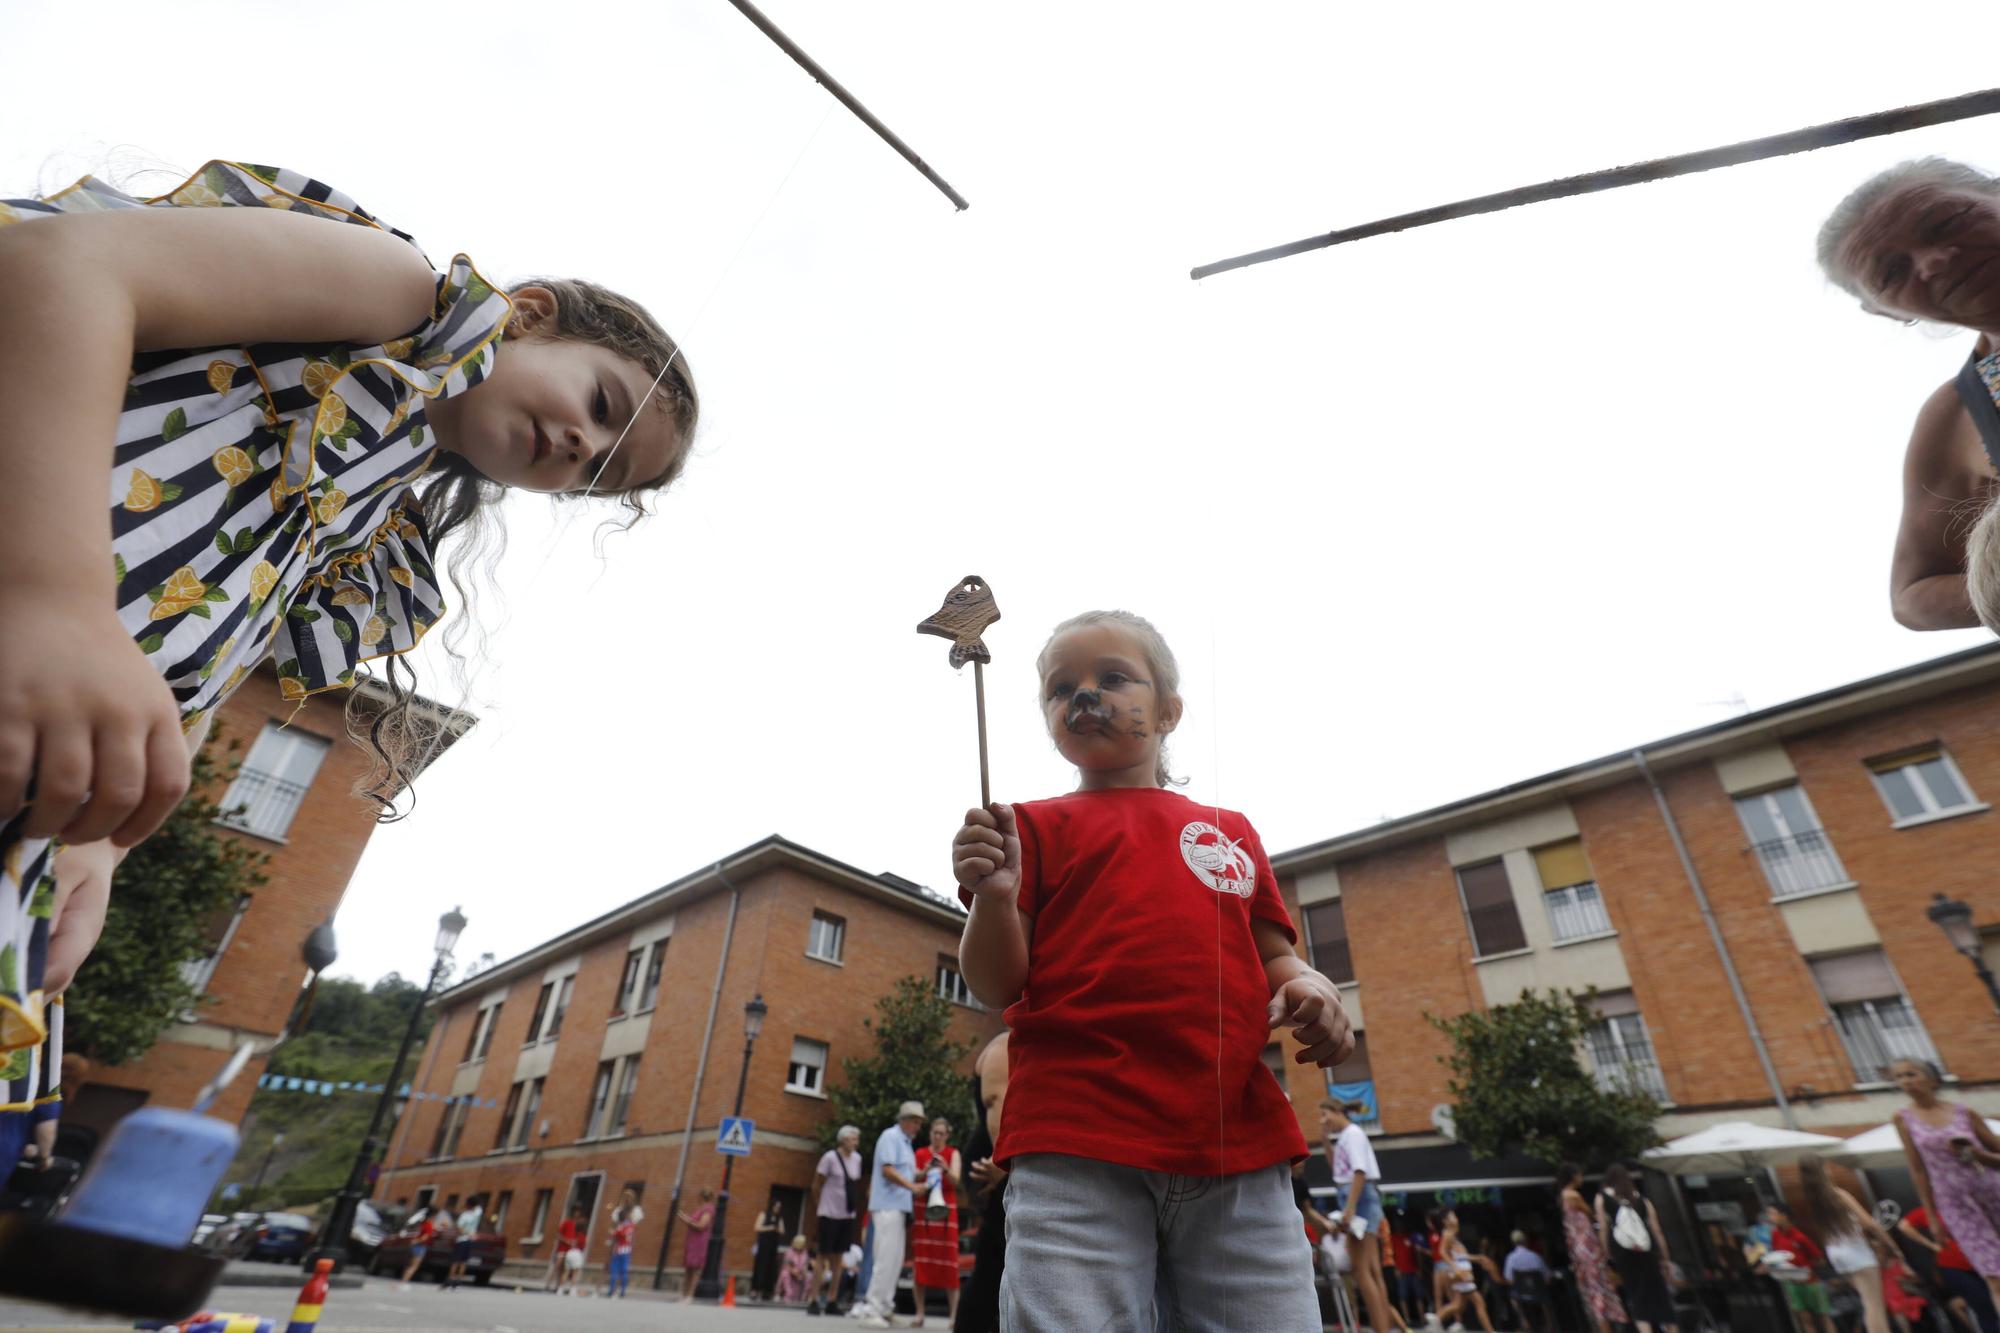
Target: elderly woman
838,1184
1918,242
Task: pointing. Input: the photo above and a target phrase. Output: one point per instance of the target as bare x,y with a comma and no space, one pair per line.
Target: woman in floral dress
1953,1157
1586,1256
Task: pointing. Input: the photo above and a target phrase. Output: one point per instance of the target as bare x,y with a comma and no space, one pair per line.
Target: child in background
797,1268
626,1216
236,420
1144,954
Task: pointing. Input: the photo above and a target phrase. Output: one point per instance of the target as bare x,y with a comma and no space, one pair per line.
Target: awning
1434,1167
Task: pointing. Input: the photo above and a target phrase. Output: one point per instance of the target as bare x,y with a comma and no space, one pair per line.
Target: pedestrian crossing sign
733,1137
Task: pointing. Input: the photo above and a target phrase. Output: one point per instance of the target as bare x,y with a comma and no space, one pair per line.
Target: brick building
296,793
613,1051
1815,835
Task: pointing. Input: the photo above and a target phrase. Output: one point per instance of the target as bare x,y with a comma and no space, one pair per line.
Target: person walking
1807,1296
467,1224
1952,1156
694,1255
934,1240
1629,1229
837,1183
1359,1225
771,1231
1586,1251
891,1195
1453,1254
1856,1245
420,1244
626,1215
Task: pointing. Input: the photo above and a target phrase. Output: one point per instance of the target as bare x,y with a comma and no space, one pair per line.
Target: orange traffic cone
729,1293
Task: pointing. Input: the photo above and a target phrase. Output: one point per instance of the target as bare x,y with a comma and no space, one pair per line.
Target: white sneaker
875,1321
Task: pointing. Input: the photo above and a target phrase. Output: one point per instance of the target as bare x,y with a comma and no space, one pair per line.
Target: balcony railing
1633,1075
1800,863
1577,911
1878,1033
262,803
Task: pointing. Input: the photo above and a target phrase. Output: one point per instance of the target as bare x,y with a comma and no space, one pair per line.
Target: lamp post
340,1222
1954,918
711,1268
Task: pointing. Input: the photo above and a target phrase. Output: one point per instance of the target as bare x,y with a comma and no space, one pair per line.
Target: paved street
378,1305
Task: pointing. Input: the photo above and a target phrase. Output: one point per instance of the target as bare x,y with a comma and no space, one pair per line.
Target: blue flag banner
1363,1092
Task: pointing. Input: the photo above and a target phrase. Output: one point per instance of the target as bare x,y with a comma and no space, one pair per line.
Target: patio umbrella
1736,1146
1879,1148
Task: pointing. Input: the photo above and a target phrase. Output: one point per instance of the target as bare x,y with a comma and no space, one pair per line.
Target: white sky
1420,516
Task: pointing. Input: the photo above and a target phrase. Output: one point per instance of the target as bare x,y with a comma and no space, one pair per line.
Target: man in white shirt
890,1199
467,1224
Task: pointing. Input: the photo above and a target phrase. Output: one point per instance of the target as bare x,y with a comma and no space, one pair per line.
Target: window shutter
1562,864
1855,976
1615,1004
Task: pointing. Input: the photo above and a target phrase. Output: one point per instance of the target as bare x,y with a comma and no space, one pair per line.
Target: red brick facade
892,930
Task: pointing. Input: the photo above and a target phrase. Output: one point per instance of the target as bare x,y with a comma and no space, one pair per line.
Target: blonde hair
1982,567
1159,661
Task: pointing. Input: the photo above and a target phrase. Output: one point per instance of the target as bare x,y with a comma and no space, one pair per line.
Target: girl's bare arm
83,716
986,862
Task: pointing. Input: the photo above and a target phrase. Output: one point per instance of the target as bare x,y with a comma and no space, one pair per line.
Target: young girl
1355,1171
1464,1285
625,1220
1855,1243
235,420
1143,953
797,1270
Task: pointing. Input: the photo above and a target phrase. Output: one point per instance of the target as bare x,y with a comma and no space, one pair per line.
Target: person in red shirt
1808,1300
1965,1291
1139,945
420,1244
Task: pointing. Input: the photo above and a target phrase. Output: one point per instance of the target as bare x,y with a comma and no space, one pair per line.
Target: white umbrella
1736,1145
1879,1148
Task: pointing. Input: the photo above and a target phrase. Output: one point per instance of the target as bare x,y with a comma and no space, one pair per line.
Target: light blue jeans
1090,1246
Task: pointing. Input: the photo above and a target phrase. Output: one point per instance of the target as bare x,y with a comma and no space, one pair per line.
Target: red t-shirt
1948,1257
1139,1037
569,1236
1402,1253
1799,1245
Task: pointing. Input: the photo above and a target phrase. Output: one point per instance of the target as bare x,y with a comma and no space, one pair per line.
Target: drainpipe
700,1069
1715,937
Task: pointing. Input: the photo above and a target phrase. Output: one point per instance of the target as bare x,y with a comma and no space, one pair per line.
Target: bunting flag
325,1088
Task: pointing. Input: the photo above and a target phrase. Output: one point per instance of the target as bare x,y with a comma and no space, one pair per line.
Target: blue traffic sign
733,1137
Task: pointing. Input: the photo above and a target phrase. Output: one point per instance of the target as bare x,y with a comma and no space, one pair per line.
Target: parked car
489,1251
282,1237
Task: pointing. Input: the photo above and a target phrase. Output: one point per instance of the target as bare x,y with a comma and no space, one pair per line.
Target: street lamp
340,1222
711,1268
1954,918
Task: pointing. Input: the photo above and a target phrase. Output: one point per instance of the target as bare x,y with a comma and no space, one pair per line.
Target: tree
164,900
1519,1085
914,1060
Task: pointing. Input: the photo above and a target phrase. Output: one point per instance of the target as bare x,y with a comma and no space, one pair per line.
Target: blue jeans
619,1270
1090,1246
1369,1209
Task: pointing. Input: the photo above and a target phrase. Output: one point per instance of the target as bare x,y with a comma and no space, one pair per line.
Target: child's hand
83,894
986,854
1311,1005
85,720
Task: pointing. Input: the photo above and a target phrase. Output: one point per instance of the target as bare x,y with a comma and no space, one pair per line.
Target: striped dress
260,506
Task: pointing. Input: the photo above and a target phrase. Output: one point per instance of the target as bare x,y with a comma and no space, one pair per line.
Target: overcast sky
1420,516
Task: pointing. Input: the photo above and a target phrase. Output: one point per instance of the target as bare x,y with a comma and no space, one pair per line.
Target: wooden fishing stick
848,100
1753,150
968,609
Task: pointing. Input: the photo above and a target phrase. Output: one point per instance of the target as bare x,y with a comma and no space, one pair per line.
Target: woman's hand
986,854
86,723
83,894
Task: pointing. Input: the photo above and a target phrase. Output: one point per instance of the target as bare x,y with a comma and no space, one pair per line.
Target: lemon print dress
260,506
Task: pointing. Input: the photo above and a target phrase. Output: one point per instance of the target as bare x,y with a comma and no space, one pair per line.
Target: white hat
910,1109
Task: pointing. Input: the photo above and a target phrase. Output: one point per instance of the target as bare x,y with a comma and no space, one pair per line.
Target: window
480,1038
541,1011
472,1036
1876,1024
1790,845
621,1105
628,982
543,1198
807,1072
486,1037
1354,1078
649,994
455,1114
531,1102
1576,908
219,931
425,1198
828,934
444,1132
559,1007
1620,1051
502,1205
273,781
951,984
1326,941
507,1117
1923,784
1489,910
600,1099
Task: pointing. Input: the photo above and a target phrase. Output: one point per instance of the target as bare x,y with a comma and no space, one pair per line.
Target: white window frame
531,1106
951,984
559,1000
1903,1048
1632,1062
1789,869
815,1084
837,928
544,1200
272,782
1586,911
651,976
621,1099
629,981
1921,788
198,972
599,1106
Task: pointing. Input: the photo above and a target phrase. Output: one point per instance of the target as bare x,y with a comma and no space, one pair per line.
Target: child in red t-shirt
1143,953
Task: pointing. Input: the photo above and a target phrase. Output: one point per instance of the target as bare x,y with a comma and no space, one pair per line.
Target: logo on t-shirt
1217,861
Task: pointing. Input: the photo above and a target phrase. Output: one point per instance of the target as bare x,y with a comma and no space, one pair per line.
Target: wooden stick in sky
968,609
848,100
1661,168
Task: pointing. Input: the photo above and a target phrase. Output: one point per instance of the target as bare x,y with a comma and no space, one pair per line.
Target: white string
550,548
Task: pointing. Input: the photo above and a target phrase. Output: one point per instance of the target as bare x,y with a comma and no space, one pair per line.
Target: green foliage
351,1035
1519,1085
163,898
914,1060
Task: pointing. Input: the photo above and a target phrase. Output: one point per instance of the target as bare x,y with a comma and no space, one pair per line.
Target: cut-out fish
968,609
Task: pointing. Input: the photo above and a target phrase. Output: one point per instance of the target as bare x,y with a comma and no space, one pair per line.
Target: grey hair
848,1132
1940,172
1159,660
1982,567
